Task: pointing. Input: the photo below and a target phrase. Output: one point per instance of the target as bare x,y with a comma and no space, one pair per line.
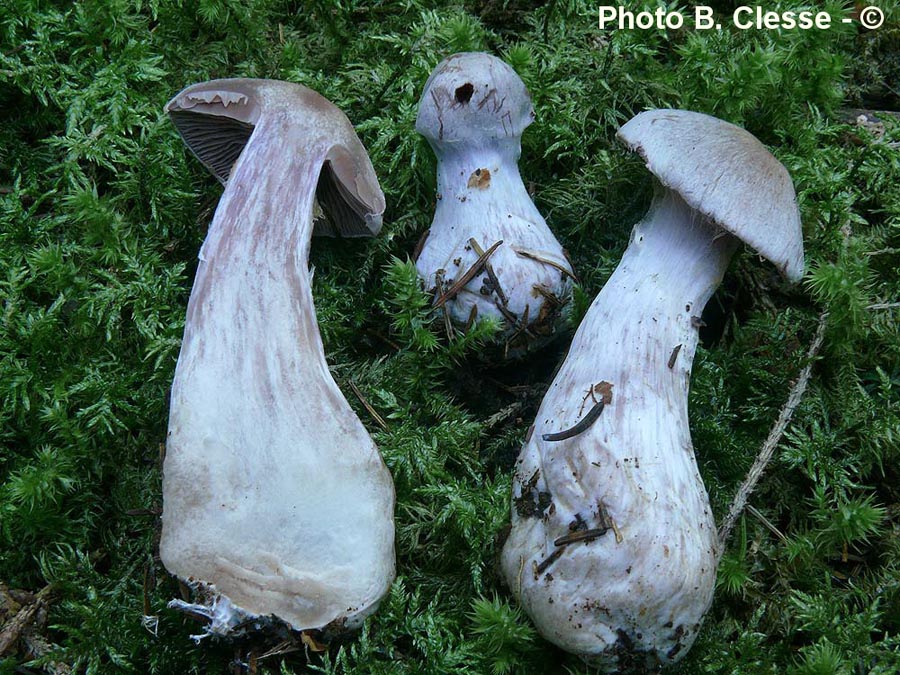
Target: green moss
102,212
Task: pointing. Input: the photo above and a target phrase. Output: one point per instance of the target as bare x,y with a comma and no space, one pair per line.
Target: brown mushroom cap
217,119
473,96
726,174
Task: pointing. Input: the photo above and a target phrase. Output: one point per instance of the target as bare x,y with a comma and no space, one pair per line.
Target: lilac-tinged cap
473,97
726,174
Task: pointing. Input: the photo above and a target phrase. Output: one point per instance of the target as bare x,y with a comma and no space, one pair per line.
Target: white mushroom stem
484,186
275,497
643,585
253,267
504,187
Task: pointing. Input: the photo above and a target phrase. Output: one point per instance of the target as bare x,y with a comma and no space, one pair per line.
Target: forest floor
102,213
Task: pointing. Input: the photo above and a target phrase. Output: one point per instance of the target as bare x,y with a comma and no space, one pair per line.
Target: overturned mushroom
613,549
473,111
275,500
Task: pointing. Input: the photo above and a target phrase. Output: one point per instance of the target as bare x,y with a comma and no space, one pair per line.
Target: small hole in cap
464,93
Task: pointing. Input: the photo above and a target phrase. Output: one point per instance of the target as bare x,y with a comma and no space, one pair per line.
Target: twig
515,390
765,521
519,578
548,295
588,395
673,357
495,282
390,343
448,324
583,425
502,415
521,326
362,399
19,624
509,316
583,535
774,438
531,255
440,301
473,314
285,647
467,277
549,560
884,305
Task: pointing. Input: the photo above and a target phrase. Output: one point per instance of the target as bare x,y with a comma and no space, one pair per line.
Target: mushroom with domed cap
473,111
613,549
276,501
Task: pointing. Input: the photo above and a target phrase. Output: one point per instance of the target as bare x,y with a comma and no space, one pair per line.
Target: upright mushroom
275,499
613,549
489,251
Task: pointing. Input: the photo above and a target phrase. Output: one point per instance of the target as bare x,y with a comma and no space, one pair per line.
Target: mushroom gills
215,140
343,214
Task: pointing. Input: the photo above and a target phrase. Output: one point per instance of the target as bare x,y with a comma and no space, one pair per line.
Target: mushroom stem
276,500
634,468
253,279
265,223
483,185
500,189
674,262
254,261
638,598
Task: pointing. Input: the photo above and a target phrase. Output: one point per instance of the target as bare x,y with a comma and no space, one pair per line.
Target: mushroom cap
216,120
473,96
726,174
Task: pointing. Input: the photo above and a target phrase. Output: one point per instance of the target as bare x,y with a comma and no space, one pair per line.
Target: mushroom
613,549
276,501
489,253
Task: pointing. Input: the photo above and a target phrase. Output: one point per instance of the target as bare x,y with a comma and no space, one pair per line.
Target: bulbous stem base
643,583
